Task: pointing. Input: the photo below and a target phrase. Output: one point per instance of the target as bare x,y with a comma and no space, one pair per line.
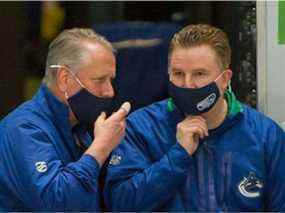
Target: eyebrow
200,70
103,76
195,70
176,69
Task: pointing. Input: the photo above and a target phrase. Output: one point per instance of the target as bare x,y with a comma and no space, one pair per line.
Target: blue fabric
41,167
150,171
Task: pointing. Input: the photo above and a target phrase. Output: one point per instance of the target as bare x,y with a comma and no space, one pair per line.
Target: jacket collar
55,109
57,112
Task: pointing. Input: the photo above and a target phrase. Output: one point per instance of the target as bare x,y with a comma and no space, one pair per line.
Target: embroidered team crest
115,160
250,186
41,166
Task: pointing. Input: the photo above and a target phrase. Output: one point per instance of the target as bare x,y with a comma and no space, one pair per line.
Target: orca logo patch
250,186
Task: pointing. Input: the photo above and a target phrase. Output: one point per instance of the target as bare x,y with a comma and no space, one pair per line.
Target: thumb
121,113
101,118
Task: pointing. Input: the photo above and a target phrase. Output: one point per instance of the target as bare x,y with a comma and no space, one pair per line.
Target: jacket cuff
90,164
179,158
86,171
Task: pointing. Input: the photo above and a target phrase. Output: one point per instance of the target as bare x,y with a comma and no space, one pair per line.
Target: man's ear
227,76
62,79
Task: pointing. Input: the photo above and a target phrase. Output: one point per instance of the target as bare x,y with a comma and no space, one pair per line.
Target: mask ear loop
65,94
77,80
67,68
230,87
220,75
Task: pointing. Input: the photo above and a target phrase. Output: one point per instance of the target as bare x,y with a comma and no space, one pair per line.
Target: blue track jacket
239,167
41,167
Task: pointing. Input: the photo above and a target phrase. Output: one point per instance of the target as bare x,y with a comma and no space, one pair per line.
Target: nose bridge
188,81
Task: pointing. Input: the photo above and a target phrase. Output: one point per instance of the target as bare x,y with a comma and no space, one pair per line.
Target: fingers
198,123
200,127
101,117
119,127
196,126
198,130
121,113
192,130
195,118
196,139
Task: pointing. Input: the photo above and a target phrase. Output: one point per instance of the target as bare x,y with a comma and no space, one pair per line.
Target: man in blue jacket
48,161
200,150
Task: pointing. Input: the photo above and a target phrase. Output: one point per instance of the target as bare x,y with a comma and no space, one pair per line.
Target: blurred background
139,30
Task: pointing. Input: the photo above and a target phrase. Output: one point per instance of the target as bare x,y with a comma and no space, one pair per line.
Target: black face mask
194,101
87,107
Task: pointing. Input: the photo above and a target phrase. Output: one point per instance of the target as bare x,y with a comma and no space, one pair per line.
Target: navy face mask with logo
195,101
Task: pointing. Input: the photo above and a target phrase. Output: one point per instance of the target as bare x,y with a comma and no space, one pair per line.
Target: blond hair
203,34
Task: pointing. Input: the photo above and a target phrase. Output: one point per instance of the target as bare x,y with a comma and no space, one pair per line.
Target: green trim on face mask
234,106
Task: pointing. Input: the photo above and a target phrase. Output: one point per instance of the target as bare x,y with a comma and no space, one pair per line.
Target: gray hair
67,50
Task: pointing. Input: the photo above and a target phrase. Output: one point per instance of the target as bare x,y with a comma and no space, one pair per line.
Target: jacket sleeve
275,164
134,182
40,179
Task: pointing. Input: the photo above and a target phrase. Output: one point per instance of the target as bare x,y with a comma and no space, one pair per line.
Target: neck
217,114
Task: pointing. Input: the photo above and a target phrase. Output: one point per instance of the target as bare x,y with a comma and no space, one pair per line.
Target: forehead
99,61
98,53
199,57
